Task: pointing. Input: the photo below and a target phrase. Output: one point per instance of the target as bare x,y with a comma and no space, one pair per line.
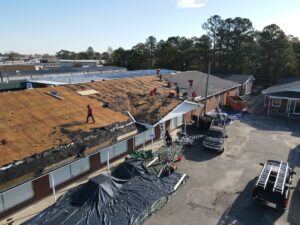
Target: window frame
295,107
275,105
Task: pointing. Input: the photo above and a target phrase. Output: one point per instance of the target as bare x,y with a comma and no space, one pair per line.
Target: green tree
213,27
295,42
151,44
65,54
276,55
202,53
119,57
90,52
12,56
138,57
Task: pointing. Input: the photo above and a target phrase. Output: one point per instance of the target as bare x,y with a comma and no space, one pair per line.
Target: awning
181,109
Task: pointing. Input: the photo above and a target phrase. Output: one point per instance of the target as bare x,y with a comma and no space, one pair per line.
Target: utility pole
206,88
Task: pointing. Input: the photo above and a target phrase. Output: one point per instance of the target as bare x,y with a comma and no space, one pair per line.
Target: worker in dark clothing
168,138
177,90
90,114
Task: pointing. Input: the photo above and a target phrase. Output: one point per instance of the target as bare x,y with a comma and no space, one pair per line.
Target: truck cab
215,138
273,184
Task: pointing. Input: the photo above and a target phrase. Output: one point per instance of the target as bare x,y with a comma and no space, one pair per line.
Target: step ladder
280,178
264,176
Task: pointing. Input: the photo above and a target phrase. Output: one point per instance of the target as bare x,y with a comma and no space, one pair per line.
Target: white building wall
139,139
121,148
61,175
80,166
103,154
16,196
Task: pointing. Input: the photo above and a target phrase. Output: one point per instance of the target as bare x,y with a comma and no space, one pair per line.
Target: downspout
288,108
269,106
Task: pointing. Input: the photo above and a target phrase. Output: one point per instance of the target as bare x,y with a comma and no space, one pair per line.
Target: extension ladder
280,178
264,176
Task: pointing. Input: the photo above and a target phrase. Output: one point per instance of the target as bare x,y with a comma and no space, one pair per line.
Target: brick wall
95,162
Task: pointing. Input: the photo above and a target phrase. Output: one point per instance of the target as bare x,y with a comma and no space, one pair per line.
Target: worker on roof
90,114
194,95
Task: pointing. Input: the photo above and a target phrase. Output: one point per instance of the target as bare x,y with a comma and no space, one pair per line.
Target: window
60,175
121,148
276,102
103,154
80,166
297,107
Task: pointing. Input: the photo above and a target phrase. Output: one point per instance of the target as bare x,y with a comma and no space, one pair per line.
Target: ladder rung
264,175
281,176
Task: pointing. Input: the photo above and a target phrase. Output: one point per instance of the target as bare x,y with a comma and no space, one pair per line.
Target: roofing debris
88,92
55,95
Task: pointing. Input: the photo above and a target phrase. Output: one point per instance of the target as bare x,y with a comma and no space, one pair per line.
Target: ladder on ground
264,176
280,178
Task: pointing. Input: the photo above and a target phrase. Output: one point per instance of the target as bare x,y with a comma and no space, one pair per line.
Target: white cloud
189,3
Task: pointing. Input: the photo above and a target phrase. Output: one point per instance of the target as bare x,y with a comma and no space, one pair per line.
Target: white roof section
181,109
47,82
78,60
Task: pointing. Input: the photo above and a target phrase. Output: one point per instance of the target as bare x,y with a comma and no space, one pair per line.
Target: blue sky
46,26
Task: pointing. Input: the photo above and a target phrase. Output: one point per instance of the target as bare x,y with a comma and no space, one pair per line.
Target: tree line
231,45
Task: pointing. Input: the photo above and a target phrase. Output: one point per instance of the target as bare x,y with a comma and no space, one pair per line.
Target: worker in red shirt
90,114
194,95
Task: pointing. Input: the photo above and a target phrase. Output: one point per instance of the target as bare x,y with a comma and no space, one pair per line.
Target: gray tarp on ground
107,200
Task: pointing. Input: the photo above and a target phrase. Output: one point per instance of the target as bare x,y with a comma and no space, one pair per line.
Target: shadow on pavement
273,123
294,157
244,211
294,207
198,154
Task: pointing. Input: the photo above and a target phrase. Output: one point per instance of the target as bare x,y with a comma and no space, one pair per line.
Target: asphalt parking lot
220,186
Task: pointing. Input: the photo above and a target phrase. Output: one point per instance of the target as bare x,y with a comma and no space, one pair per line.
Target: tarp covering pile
108,200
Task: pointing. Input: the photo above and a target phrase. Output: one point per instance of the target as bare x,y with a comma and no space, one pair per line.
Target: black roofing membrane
109,200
